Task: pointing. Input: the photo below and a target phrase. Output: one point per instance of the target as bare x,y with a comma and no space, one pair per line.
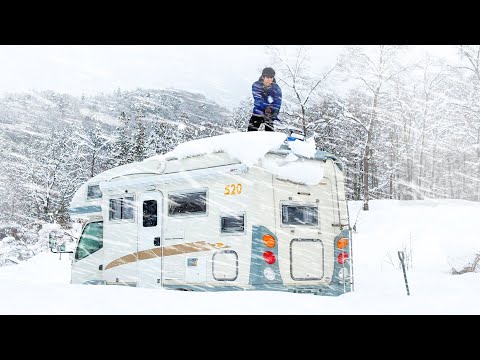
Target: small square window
94,192
231,224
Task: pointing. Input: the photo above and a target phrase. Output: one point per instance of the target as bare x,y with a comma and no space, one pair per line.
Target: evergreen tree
138,151
122,146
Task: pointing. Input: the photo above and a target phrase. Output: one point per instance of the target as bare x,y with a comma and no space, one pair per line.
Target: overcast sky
223,73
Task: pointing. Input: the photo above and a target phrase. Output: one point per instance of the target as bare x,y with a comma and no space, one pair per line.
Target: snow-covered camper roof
246,148
250,148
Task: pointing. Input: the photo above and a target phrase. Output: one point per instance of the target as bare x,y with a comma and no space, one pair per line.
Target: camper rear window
300,215
121,208
94,192
187,203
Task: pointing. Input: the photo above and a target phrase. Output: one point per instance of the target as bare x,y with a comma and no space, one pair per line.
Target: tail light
342,257
269,257
269,240
342,243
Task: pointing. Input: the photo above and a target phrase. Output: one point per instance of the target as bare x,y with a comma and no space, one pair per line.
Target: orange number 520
233,189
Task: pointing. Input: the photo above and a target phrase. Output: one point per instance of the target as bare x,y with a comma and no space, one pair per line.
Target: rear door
306,248
305,231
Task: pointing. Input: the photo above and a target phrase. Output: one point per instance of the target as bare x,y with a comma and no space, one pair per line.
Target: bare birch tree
301,86
373,68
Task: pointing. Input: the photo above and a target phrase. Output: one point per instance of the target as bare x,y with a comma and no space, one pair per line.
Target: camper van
241,211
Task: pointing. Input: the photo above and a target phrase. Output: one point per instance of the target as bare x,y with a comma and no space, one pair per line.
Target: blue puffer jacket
263,98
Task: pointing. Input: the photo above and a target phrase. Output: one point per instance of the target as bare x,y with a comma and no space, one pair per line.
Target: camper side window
187,203
94,192
121,208
231,224
91,240
300,215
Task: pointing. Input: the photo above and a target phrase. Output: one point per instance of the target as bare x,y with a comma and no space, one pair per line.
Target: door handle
156,241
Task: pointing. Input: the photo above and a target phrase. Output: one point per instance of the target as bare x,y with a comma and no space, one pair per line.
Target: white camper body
212,222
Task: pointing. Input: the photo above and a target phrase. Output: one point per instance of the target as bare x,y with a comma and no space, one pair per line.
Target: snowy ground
435,234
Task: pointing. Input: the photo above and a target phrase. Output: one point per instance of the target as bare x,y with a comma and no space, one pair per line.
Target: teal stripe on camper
258,264
85,210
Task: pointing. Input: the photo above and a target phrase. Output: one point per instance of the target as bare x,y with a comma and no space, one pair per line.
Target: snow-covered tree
138,150
300,86
122,145
373,68
241,116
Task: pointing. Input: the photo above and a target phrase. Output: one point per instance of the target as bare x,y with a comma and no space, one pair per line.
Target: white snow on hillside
435,234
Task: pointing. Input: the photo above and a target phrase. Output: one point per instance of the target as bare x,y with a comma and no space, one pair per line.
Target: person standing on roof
267,97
